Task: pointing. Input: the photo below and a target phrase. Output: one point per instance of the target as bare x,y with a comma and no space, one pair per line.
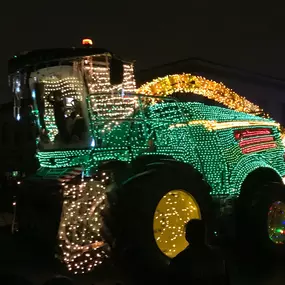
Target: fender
238,175
162,162
122,170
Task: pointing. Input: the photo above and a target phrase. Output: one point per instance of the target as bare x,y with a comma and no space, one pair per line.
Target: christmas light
179,127
255,141
80,231
224,145
214,125
104,101
87,42
172,213
168,125
276,222
251,133
70,87
258,148
187,83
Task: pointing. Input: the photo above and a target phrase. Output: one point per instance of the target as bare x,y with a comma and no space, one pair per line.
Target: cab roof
50,57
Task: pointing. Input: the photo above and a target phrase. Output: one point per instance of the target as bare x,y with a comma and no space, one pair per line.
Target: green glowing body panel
185,132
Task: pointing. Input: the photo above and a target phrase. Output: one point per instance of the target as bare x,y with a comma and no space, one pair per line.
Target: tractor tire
38,214
261,221
137,205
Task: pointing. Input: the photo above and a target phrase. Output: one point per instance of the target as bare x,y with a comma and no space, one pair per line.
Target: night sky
246,34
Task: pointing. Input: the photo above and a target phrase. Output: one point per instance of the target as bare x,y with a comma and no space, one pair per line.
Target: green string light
181,131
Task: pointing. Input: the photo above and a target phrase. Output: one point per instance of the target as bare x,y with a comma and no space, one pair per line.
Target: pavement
18,258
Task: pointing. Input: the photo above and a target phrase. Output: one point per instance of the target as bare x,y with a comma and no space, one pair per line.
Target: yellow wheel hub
173,211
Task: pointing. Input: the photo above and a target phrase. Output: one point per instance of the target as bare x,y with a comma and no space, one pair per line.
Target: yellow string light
187,83
80,231
172,213
214,125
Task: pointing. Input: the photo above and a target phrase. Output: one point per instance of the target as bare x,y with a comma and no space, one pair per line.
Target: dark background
247,34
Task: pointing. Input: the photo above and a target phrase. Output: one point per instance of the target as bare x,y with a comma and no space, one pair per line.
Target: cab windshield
60,108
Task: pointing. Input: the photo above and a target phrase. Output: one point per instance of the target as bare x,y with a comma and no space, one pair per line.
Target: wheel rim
276,222
173,211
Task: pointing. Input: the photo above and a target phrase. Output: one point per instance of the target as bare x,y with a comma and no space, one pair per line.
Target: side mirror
116,71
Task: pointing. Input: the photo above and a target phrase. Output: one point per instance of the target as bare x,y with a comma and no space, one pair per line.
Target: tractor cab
72,91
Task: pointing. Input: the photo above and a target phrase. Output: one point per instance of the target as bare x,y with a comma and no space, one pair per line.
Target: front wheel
153,210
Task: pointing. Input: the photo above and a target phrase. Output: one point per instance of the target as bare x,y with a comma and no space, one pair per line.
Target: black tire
38,215
137,202
253,220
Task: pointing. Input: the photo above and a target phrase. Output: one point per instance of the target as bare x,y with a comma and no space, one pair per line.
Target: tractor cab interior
60,109
76,94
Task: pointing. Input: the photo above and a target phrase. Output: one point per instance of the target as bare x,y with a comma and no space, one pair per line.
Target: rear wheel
276,222
262,220
153,209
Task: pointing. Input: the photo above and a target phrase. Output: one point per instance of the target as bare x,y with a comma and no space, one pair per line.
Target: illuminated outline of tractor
130,168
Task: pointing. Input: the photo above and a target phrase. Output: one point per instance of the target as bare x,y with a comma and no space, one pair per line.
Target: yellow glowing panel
188,83
173,211
237,124
214,125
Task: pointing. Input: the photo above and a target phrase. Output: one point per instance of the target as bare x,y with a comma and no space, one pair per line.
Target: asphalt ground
19,258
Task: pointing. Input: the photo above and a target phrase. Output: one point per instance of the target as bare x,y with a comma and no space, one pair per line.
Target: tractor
124,169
